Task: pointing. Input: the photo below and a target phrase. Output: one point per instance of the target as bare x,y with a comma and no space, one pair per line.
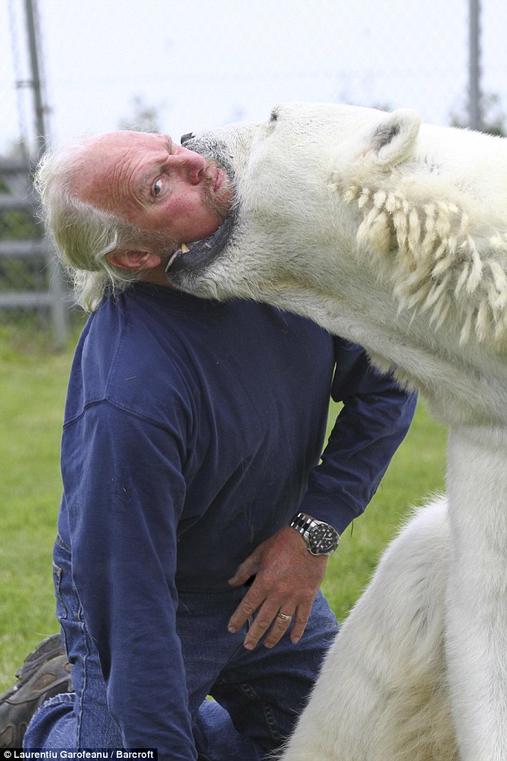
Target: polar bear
393,234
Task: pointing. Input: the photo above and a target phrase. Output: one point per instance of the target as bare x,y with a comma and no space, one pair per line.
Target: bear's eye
274,115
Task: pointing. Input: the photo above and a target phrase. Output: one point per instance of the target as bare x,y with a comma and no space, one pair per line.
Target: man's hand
287,579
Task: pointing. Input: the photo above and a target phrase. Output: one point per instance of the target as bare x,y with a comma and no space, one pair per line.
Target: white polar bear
393,235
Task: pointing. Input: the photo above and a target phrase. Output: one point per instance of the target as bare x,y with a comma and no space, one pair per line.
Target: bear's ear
393,139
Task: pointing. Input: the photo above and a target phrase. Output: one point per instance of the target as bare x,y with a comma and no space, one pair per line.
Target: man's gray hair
83,234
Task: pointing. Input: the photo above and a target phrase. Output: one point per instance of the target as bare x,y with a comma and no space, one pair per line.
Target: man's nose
191,163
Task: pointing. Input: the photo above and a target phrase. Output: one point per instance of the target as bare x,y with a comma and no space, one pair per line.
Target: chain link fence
210,63
22,248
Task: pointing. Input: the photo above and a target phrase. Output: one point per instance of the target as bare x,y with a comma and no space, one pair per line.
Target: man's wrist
320,538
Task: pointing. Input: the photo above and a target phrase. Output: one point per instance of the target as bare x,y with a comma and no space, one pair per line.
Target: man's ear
393,139
133,259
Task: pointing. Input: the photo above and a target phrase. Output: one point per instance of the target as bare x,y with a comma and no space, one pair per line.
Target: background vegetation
32,390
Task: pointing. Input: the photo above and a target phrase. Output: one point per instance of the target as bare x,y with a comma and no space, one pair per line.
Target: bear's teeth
184,248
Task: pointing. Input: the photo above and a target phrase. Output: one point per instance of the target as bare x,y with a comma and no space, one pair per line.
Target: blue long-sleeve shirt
193,431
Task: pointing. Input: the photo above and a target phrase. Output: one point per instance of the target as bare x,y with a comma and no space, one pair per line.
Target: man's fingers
245,571
282,621
286,580
262,621
246,609
299,622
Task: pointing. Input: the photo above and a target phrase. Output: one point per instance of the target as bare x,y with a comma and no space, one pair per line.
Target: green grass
416,471
32,390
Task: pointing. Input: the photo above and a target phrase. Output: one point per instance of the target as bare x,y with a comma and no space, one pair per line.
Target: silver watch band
303,523
320,537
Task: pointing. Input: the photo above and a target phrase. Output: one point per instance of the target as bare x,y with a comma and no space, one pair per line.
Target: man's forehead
109,155
128,139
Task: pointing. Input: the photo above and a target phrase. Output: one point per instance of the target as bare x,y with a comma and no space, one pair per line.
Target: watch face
322,539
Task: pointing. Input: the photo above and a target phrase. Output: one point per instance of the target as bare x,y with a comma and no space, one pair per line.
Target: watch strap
304,523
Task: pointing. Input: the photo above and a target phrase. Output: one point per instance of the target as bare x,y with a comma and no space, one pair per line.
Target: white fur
394,235
382,693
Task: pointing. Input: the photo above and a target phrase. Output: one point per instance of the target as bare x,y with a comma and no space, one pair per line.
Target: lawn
32,390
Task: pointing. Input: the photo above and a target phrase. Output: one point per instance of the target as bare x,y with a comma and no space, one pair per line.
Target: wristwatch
320,538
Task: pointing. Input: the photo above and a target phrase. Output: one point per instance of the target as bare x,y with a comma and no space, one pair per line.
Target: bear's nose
186,137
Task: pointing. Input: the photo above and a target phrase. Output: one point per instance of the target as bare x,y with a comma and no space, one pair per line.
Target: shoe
45,673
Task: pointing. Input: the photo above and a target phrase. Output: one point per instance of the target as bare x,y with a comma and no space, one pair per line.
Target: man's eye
157,187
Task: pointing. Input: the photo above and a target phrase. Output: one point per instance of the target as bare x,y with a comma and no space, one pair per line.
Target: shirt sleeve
372,423
124,492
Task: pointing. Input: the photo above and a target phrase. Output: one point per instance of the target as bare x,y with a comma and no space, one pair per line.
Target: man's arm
370,427
124,493
373,422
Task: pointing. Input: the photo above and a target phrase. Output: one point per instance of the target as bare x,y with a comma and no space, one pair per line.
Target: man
196,522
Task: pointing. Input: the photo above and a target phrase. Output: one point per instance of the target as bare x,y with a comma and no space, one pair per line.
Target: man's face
155,184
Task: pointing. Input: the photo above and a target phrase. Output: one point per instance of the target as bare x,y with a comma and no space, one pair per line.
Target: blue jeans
257,695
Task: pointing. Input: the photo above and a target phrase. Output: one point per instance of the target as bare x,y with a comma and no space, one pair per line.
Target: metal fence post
474,65
56,285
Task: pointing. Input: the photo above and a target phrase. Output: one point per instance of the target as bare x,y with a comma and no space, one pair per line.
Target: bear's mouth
192,257
200,253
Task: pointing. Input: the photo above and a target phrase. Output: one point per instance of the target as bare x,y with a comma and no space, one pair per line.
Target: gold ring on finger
284,616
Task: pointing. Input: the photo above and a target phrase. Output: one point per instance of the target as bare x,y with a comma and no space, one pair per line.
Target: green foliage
19,225
20,273
32,389
23,274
